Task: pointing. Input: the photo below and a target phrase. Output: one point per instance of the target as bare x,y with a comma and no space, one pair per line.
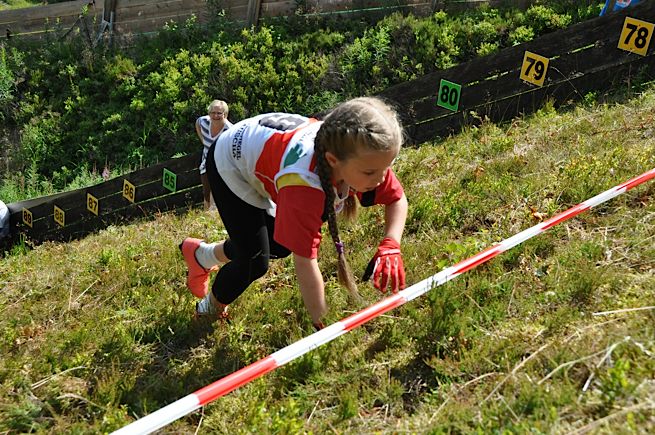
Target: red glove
386,267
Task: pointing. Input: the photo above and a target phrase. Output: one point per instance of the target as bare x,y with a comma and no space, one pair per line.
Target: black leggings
250,244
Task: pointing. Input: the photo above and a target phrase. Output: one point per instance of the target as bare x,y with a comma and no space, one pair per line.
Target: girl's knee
258,266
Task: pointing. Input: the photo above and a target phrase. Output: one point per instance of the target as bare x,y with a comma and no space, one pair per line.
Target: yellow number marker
27,217
534,68
59,216
129,191
635,36
92,204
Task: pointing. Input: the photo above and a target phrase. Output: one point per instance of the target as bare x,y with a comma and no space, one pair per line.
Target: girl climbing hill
276,178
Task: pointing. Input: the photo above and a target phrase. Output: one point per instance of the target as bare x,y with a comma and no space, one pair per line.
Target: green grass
97,332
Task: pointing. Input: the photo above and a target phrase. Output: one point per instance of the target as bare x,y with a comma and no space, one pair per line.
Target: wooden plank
145,25
51,21
177,201
123,4
146,16
155,22
42,207
41,28
16,207
237,13
74,205
30,26
47,11
154,9
231,4
564,68
288,7
483,97
277,8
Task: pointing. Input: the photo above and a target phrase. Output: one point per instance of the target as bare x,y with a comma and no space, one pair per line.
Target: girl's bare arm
395,215
311,286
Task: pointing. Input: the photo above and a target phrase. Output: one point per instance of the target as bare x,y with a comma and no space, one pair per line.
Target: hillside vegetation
70,107
98,332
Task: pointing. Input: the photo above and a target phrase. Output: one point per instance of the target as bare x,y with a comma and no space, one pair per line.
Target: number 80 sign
449,94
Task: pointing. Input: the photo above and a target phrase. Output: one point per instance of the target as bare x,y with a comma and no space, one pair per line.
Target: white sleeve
4,219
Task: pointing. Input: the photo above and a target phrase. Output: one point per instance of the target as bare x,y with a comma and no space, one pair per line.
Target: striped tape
193,401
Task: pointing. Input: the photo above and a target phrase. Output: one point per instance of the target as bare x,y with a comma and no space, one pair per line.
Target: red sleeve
298,219
386,193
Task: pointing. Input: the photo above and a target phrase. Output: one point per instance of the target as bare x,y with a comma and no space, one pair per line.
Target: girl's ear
332,160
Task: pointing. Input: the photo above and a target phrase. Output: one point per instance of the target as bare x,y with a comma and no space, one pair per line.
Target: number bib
256,151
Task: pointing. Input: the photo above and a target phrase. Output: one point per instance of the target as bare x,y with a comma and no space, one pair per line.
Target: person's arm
311,286
198,131
395,215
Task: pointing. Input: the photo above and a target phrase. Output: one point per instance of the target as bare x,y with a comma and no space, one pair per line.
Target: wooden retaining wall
593,55
174,184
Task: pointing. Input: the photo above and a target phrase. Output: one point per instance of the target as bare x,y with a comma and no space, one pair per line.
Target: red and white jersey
269,162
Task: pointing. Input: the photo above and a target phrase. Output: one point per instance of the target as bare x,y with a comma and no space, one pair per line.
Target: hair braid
344,274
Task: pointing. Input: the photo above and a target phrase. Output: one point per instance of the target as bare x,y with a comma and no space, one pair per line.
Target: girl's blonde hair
361,123
219,104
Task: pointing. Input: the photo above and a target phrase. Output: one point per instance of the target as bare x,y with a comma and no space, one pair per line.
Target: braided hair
366,123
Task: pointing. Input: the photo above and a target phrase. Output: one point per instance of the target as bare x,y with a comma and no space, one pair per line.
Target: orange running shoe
197,278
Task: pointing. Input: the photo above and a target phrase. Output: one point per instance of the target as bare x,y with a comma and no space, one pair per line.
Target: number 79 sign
534,68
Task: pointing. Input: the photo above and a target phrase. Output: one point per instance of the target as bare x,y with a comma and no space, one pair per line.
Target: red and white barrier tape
193,401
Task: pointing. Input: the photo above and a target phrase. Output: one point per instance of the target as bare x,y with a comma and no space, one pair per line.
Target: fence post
254,6
108,8
108,18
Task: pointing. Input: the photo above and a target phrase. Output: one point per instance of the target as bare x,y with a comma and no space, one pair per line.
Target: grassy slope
96,331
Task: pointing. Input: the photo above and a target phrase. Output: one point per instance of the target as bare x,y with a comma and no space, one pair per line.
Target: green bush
11,71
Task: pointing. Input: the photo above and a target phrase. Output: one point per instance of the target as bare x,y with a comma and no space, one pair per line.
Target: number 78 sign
635,36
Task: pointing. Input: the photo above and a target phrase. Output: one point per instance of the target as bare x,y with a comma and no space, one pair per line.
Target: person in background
4,220
209,128
276,178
